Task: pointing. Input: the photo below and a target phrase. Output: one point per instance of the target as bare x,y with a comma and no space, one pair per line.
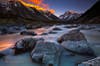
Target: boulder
3,30
44,34
73,35
1,55
28,33
5,52
45,52
10,29
75,41
52,32
24,45
57,29
32,26
16,29
80,47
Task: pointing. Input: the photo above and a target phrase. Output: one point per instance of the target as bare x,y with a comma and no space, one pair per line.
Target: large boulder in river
75,41
80,47
26,44
73,35
45,52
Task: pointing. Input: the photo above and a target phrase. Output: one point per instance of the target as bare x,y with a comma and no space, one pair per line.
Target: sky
61,6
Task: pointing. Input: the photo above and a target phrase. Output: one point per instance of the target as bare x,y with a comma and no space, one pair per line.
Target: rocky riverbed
50,35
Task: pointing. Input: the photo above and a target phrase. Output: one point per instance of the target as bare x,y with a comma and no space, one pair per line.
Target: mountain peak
71,12
70,15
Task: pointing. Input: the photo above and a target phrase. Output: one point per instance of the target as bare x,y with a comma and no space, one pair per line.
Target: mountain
17,12
91,16
70,15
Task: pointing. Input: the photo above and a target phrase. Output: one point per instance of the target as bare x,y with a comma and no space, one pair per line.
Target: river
8,41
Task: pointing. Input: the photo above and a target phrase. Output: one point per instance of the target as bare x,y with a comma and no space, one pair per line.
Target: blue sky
61,6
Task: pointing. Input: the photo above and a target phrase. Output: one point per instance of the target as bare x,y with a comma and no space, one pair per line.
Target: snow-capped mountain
70,15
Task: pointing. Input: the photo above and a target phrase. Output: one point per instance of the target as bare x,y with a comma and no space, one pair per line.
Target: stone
10,29
24,45
75,41
44,34
1,55
80,47
45,52
57,29
6,52
92,62
28,33
52,32
32,26
73,35
16,29
3,30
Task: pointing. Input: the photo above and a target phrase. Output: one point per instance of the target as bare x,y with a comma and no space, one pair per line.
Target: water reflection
5,45
7,41
40,31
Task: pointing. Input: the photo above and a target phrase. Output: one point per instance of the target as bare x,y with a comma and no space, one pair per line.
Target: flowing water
8,41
